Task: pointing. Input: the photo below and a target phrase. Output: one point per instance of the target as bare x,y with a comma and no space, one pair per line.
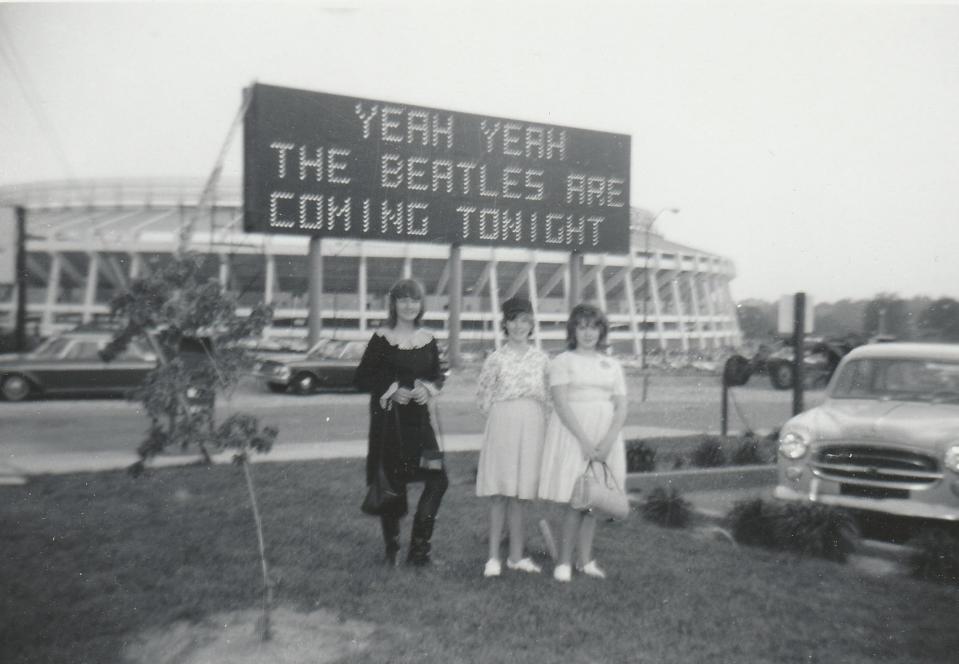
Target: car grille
876,466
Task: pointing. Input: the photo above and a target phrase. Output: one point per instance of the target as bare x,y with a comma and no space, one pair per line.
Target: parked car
329,364
70,364
886,439
820,359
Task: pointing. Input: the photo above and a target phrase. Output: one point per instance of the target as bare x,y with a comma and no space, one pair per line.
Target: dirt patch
298,638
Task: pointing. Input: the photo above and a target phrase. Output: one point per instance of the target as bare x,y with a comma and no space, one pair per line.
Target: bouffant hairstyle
405,288
586,314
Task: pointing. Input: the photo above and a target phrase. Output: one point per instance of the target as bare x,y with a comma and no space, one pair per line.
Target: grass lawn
90,561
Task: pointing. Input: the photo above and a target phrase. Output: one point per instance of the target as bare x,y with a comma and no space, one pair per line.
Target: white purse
598,491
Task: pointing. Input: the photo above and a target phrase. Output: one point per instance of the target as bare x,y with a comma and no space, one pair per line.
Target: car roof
906,350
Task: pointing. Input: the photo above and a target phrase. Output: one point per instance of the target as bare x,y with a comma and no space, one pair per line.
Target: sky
814,144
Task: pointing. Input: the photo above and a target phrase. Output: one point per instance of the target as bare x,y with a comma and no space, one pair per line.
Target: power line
21,74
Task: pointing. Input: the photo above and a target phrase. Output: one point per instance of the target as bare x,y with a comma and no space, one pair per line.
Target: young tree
940,320
192,326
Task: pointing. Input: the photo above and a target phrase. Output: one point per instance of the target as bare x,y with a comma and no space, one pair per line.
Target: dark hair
591,315
514,314
405,288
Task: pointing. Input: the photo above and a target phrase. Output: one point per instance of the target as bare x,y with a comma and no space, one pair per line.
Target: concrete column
269,285
93,278
533,297
455,304
315,308
630,292
494,300
53,288
680,313
361,289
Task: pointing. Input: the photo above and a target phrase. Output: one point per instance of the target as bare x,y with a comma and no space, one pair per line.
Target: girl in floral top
512,393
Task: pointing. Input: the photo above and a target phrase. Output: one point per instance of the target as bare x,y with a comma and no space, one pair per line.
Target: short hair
591,315
405,288
513,315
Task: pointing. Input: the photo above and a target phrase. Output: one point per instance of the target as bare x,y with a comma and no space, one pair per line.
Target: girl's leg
571,527
587,532
497,515
517,534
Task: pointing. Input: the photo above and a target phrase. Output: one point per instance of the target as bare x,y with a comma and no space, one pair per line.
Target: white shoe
524,565
493,568
563,573
593,570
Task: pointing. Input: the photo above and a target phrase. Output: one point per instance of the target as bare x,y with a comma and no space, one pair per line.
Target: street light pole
646,271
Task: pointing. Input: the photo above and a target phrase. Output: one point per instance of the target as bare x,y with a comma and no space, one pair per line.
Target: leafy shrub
709,454
667,507
753,522
935,556
640,458
814,530
749,452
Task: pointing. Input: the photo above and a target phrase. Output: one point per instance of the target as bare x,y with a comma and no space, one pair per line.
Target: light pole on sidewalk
646,272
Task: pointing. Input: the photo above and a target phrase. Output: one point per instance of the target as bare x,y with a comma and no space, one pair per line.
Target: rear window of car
898,378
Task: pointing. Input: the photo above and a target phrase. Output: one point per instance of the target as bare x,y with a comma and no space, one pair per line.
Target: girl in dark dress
401,371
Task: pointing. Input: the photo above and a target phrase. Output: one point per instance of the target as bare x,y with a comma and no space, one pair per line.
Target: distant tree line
887,314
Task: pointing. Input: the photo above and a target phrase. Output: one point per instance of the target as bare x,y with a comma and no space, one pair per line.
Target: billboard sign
334,166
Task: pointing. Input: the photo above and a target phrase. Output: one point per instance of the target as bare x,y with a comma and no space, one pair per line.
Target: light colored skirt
511,454
563,458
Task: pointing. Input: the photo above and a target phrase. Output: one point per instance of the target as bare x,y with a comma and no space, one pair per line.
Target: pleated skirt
563,458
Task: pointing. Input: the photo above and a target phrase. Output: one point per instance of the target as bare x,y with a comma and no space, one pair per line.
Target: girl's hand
401,396
420,394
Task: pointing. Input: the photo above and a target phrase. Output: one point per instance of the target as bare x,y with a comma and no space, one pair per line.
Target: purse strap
608,477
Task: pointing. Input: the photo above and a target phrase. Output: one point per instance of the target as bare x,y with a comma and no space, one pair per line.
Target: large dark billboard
334,166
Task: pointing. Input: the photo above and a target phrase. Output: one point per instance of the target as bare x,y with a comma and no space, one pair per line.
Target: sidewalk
16,468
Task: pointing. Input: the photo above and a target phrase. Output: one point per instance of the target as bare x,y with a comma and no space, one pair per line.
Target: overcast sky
814,144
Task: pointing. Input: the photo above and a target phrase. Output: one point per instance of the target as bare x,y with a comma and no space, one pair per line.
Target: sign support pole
799,351
20,325
575,278
315,320
455,290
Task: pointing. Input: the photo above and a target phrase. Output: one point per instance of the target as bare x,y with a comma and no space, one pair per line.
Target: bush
666,507
935,556
750,452
753,523
814,530
639,457
709,454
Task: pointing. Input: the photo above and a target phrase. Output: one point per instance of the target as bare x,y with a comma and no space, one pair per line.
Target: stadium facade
88,238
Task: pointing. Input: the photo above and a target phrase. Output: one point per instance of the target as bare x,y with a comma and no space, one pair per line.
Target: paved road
93,425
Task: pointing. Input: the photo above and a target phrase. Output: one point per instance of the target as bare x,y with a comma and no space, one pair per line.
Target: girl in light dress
512,394
589,408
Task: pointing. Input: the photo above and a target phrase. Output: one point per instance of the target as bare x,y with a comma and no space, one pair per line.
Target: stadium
88,238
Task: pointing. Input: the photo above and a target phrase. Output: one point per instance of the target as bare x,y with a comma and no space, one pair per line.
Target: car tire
304,383
276,388
781,375
15,388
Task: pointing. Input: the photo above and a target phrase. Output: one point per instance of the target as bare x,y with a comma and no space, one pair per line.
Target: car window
52,347
353,350
83,350
902,379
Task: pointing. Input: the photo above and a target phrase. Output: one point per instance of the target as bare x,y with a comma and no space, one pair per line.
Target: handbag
599,492
381,496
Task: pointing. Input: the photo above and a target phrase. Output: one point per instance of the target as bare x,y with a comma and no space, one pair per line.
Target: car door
76,369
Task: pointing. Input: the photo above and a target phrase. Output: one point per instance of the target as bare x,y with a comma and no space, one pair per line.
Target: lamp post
649,228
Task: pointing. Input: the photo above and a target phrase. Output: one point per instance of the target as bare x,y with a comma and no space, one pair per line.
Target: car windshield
51,347
900,379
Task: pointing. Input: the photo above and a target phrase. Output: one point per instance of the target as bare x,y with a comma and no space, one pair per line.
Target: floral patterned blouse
509,374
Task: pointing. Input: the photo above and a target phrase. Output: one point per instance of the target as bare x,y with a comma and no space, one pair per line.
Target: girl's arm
486,385
615,427
565,413
374,375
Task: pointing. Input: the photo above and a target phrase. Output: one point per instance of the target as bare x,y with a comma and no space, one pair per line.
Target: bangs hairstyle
588,314
513,315
405,288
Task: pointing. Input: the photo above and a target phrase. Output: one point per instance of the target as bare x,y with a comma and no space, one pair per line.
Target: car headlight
282,372
952,458
793,445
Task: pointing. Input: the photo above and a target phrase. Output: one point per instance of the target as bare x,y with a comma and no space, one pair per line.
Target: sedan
887,437
70,364
329,364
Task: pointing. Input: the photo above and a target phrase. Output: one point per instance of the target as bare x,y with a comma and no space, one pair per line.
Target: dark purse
381,496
